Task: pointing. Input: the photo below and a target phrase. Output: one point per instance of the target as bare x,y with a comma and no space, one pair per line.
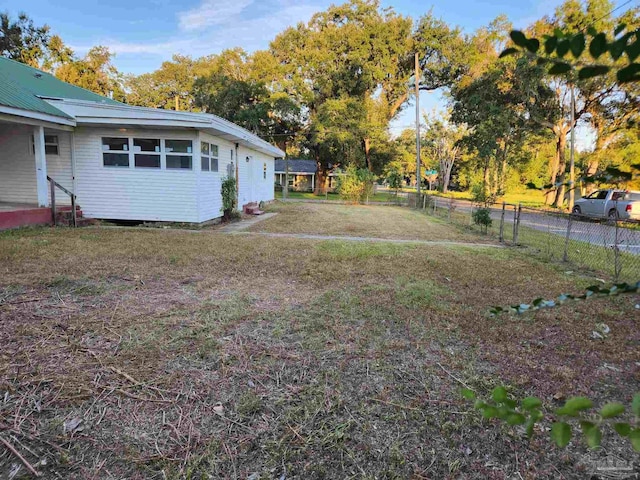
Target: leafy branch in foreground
540,303
554,49
576,410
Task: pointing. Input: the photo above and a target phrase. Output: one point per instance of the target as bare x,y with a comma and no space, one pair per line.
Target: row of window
148,153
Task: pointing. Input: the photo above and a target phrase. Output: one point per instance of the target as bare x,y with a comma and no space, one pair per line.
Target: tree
565,33
171,86
442,142
499,108
94,72
22,41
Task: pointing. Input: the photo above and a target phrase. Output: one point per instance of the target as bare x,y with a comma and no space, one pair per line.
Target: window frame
154,153
208,158
55,144
171,153
119,152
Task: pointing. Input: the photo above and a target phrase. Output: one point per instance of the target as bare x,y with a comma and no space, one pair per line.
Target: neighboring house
121,162
302,174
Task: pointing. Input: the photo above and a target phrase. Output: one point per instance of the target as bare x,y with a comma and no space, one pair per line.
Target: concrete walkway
305,236
244,224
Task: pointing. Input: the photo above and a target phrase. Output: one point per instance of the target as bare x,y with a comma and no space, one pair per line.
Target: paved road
588,231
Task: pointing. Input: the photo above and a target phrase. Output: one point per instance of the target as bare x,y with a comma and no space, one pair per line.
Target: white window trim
158,154
103,151
163,154
56,144
180,154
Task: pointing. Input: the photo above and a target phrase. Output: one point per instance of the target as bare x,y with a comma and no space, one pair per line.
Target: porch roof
24,88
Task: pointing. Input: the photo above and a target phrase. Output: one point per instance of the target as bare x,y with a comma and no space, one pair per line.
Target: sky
144,33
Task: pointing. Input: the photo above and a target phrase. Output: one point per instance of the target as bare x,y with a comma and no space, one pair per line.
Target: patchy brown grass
358,220
202,355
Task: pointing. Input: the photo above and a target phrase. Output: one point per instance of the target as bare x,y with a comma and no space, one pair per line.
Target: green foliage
229,197
356,185
557,45
482,217
576,410
539,303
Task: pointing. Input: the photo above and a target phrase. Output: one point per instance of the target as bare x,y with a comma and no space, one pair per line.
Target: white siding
17,164
59,166
210,183
134,193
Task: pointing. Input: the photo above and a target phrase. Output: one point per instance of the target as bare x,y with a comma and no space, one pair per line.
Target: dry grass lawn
358,220
153,354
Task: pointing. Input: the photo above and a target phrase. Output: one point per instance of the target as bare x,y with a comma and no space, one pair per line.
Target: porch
29,156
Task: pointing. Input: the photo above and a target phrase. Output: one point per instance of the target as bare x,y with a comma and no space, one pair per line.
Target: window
214,158
209,157
204,156
115,152
178,154
602,195
147,152
51,144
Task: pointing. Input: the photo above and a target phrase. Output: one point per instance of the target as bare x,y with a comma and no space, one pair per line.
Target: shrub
229,198
482,217
356,185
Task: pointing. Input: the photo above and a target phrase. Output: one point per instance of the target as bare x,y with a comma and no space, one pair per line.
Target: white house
121,162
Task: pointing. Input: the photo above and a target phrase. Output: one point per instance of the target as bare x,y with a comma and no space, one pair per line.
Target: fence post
515,216
616,252
501,238
517,226
435,204
565,256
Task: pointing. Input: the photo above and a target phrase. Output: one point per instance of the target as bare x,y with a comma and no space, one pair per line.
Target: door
594,206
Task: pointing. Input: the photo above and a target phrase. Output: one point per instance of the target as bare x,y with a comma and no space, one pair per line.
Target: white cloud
240,31
211,12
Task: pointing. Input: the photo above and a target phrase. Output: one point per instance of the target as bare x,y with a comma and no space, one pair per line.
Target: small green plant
577,411
482,217
229,198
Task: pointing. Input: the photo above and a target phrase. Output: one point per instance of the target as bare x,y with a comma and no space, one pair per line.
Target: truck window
617,196
602,195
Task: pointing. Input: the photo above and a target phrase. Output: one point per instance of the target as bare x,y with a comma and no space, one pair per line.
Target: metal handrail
55,184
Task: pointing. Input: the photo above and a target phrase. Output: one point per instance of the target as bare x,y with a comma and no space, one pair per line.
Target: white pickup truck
612,204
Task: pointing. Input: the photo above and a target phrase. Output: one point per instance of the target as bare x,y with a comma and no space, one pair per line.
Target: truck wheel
576,210
613,214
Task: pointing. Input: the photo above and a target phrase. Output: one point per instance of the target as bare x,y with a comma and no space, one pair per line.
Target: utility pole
418,162
572,172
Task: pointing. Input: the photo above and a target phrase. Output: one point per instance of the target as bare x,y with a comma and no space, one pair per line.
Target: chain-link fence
607,246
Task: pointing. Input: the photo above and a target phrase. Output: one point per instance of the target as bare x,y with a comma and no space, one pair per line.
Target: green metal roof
22,85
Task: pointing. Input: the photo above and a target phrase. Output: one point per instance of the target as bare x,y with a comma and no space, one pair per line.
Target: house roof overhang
95,114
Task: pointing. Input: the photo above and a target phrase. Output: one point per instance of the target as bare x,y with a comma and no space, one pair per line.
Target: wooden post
53,202
515,237
74,218
501,238
41,166
565,256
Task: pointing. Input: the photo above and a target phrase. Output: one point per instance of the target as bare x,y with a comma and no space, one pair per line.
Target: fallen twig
22,459
454,377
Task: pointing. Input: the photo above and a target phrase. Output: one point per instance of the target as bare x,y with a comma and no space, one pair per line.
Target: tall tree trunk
485,178
562,166
555,165
366,146
321,177
502,172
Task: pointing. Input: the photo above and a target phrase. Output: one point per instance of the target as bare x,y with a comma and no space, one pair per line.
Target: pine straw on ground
164,354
